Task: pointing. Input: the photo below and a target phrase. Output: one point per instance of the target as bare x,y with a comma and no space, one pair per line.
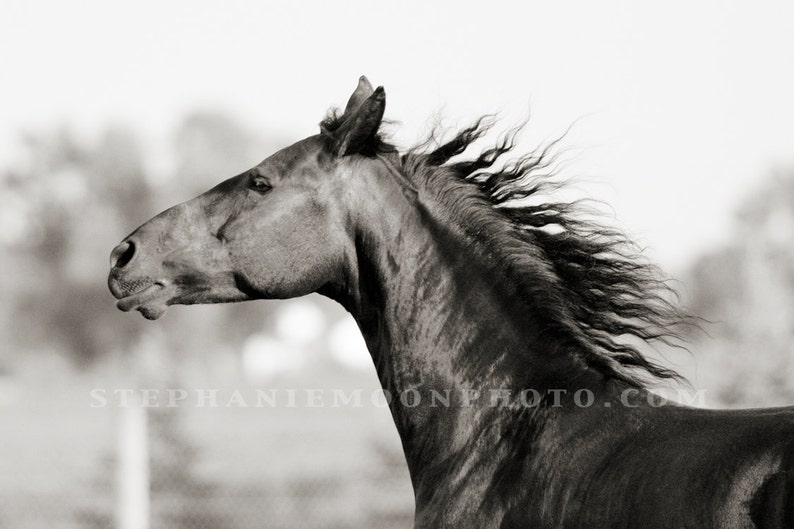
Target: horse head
279,230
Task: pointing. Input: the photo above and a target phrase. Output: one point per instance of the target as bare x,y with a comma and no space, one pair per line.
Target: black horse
504,324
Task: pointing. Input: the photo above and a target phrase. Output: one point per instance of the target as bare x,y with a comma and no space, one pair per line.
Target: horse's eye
259,184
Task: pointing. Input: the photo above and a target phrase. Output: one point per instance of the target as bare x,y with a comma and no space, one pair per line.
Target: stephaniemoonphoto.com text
357,398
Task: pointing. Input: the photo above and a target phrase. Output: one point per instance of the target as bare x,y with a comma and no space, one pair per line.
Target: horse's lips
152,301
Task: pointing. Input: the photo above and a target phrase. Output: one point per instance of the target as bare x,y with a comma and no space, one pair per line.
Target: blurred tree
75,200
747,289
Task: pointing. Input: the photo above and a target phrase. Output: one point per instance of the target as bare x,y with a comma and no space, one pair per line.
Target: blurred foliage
746,288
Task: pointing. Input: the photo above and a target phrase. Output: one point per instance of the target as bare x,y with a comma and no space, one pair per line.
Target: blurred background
111,112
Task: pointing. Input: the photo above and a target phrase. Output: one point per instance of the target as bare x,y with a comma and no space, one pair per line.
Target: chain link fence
62,464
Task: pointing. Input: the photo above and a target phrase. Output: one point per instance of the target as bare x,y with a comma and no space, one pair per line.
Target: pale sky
683,106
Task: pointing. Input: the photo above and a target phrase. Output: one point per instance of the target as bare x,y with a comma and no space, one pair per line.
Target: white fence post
132,488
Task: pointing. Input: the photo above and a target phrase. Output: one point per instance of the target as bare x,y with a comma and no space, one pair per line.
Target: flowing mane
589,280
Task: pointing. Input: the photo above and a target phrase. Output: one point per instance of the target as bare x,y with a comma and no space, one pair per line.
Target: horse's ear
362,92
358,130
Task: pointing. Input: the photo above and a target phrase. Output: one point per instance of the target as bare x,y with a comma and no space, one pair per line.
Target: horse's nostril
122,254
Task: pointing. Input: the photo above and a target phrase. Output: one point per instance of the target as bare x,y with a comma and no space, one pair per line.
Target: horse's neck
440,322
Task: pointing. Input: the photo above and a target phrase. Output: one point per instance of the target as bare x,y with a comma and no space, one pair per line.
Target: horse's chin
152,302
152,312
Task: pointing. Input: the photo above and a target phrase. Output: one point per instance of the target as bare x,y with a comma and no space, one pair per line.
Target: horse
508,325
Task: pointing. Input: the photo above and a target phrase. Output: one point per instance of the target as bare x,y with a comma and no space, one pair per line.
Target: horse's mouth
151,301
